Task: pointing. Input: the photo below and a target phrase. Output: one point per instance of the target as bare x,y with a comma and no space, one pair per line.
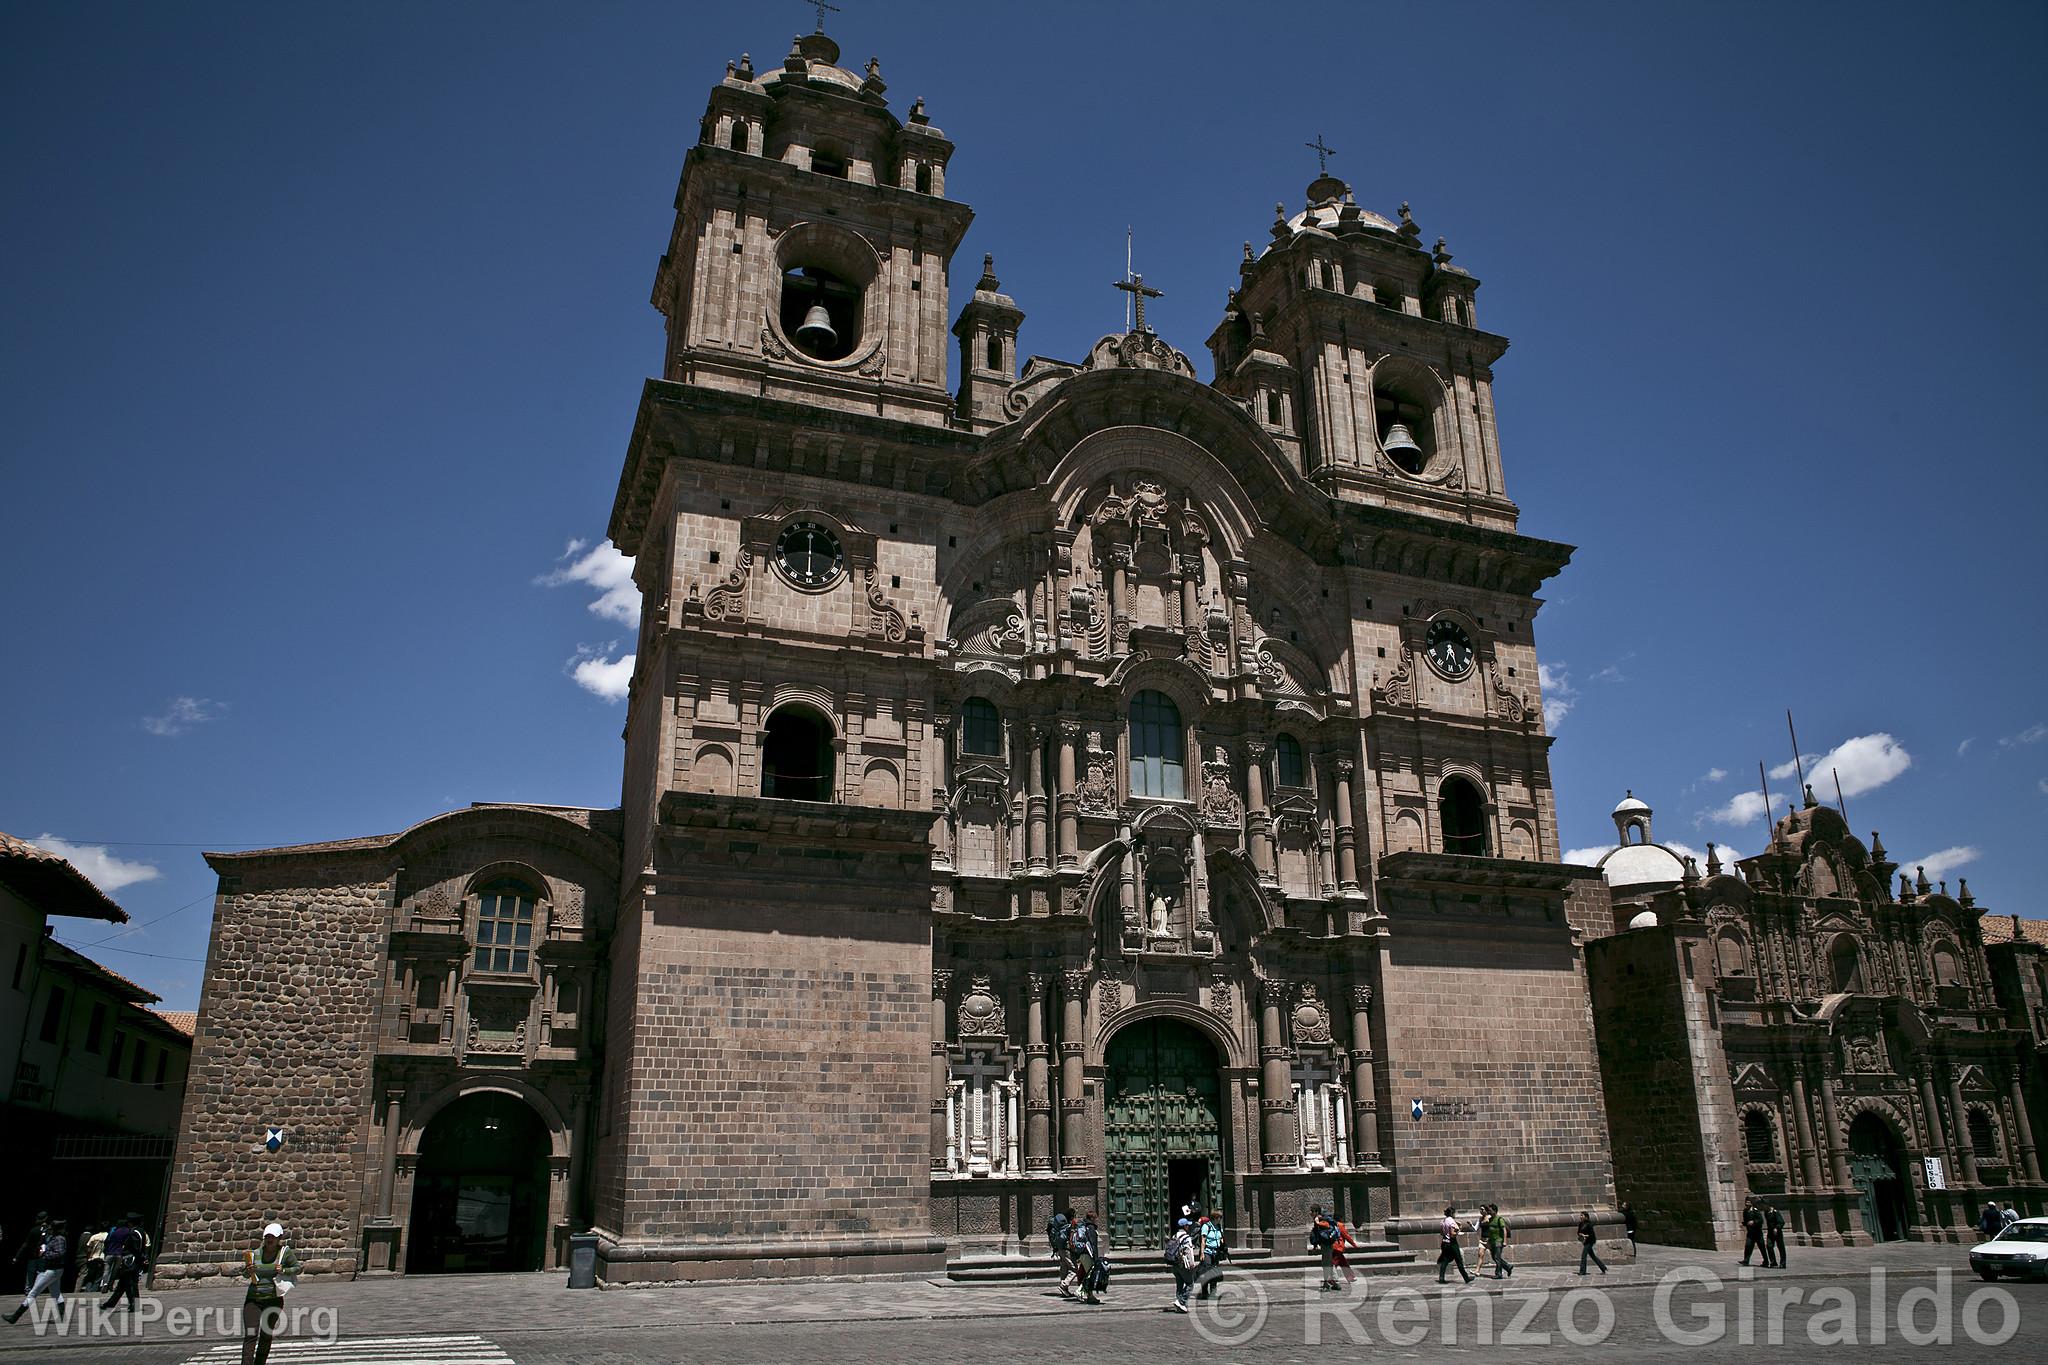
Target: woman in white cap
272,1268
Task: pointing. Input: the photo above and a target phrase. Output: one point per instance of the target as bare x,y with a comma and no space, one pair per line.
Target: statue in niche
1162,915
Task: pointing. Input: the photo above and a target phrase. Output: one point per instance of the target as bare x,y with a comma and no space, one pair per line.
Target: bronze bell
817,334
1400,446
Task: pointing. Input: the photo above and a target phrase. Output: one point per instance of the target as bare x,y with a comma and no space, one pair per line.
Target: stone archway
482,1187
1877,1169
1164,1117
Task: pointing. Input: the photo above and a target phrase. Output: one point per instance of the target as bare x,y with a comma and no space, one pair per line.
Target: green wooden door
1163,1128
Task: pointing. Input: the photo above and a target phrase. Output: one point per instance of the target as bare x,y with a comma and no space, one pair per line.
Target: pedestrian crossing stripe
458,1350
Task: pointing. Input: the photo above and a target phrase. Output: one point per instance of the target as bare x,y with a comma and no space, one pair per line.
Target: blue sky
326,327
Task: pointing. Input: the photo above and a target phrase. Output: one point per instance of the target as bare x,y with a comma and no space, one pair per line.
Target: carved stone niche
1172,918
1097,788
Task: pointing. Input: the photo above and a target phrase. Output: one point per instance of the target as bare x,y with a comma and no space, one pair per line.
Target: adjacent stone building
1073,784
1793,1028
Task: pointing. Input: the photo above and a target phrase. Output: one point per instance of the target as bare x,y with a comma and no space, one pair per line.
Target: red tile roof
184,1021
2011,929
70,959
52,884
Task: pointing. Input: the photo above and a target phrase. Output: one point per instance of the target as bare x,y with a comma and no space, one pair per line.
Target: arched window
1845,964
1729,955
995,353
1947,970
981,727
1288,767
1272,407
924,178
1983,1137
737,137
796,757
1463,814
1759,1142
828,161
504,928
1158,749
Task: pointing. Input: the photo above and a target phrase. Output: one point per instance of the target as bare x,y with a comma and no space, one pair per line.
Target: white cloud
100,867
2033,734
2043,784
182,714
1789,769
1587,857
1943,861
599,675
1744,808
1964,747
1559,696
603,569
1715,775
1862,764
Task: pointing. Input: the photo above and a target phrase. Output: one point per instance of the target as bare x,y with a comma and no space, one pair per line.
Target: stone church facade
1073,784
1791,1027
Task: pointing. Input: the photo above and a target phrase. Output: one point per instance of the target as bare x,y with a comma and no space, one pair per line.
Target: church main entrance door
1163,1129
1877,1169
480,1201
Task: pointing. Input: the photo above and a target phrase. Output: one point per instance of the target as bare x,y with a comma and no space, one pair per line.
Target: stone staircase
1368,1258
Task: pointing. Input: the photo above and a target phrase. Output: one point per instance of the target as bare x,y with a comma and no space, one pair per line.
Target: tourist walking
32,1250
1185,1256
272,1269
47,1267
93,1274
1345,1242
1753,1232
1058,1234
1493,1231
2009,1215
1628,1224
1588,1235
1211,1229
126,1251
1449,1253
1774,1236
1084,1243
1322,1239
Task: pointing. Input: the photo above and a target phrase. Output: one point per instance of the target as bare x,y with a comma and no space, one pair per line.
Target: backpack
1322,1234
1057,1232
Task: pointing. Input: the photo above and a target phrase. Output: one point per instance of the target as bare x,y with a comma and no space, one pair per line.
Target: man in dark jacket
1774,1236
126,1260
1753,1233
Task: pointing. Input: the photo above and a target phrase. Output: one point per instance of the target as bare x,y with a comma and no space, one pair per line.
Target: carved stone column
1114,561
1035,802
1190,594
942,786
1802,1124
1838,1158
1073,1084
1020,778
1069,802
1279,1138
1966,1155
1365,1108
1347,837
942,1070
1937,1135
1258,820
1037,1078
2028,1160
394,1101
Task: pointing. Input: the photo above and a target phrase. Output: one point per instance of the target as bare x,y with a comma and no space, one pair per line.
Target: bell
1399,445
816,334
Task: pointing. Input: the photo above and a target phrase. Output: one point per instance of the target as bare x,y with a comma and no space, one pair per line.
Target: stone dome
1634,865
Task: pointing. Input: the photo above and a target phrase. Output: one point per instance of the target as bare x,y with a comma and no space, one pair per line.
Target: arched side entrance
1877,1168
480,1197
1162,1127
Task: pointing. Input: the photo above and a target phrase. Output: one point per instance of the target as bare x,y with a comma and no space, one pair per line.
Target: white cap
273,1229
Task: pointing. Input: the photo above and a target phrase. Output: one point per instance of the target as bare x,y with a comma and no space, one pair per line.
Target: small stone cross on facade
1323,154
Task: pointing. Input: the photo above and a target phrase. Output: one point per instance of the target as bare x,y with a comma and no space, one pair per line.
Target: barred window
504,928
981,727
1757,1137
1983,1138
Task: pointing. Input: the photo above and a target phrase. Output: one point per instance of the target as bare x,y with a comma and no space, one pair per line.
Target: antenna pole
1760,777
1798,763
1840,804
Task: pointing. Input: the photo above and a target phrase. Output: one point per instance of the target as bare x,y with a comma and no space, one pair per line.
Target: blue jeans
1587,1253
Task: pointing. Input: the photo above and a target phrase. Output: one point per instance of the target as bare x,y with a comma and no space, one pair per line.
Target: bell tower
811,242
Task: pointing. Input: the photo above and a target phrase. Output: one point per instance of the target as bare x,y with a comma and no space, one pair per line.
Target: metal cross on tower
1323,154
820,6
1135,286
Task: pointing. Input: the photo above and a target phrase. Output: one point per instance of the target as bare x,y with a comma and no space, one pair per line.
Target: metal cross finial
1323,154
820,6
1139,291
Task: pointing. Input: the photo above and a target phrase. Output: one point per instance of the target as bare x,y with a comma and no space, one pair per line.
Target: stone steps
1144,1263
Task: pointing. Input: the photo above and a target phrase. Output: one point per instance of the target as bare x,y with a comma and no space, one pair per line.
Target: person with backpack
1338,1261
272,1269
1588,1235
1322,1239
1059,1235
48,1266
1211,1229
1493,1231
126,1251
1448,1251
94,1273
1185,1259
1084,1244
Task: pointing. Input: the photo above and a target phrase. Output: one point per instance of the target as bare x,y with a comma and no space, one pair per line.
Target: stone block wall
286,1036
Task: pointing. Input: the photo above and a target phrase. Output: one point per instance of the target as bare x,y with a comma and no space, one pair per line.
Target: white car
2021,1249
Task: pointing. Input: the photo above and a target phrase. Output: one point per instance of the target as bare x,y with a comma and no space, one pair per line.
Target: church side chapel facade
1794,1028
1078,785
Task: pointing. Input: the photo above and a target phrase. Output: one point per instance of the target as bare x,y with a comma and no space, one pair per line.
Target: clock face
1449,649
809,554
